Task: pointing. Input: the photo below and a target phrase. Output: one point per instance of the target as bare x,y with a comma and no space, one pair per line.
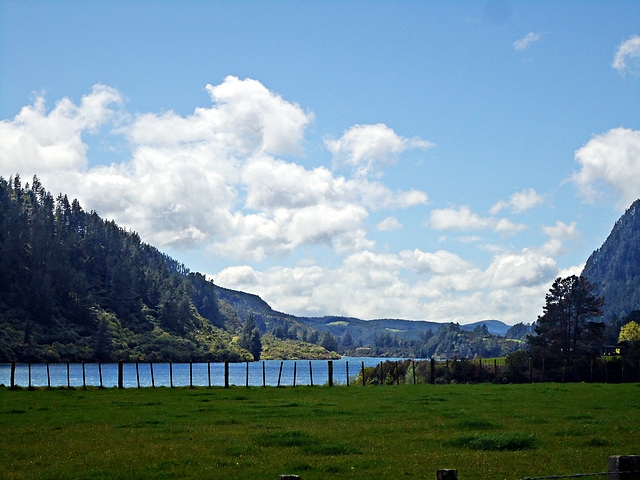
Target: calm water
200,373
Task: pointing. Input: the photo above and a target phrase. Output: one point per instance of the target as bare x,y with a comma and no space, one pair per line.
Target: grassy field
485,431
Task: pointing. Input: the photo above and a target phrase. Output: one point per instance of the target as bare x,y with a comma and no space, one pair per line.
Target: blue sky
424,160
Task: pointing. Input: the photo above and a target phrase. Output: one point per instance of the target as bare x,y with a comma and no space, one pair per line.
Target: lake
306,372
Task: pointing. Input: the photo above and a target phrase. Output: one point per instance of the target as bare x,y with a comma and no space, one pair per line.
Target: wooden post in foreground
48,376
226,374
153,381
120,374
330,365
13,374
624,467
347,363
446,474
295,366
310,374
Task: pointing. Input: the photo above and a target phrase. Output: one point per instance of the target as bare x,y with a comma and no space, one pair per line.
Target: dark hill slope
615,266
76,287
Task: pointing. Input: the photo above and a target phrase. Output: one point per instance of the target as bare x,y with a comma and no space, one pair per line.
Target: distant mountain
360,330
615,266
495,327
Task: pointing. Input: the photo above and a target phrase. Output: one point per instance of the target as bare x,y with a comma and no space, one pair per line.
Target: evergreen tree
564,330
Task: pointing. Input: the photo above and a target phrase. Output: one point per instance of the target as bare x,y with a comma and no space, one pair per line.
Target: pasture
485,431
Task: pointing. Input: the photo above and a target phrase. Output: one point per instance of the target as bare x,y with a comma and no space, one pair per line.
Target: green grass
484,431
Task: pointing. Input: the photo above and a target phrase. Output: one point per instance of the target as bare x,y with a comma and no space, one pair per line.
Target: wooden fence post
84,378
153,380
446,474
381,379
347,363
495,369
13,374
48,376
226,374
280,373
138,374
120,374
624,467
295,365
100,373
330,365
171,374
310,373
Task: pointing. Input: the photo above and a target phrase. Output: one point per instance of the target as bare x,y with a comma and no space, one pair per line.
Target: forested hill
74,286
615,267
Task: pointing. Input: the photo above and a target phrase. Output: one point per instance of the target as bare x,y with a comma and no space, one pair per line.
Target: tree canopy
565,330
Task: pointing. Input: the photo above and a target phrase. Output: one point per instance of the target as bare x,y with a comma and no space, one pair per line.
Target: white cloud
210,177
627,57
612,160
463,220
37,142
441,262
507,227
519,202
389,224
460,219
365,146
527,40
559,234
521,269
372,285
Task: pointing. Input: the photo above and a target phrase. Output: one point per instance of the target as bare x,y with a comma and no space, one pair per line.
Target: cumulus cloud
211,177
610,160
519,202
627,56
527,41
507,227
373,285
559,234
36,142
461,219
389,224
363,147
